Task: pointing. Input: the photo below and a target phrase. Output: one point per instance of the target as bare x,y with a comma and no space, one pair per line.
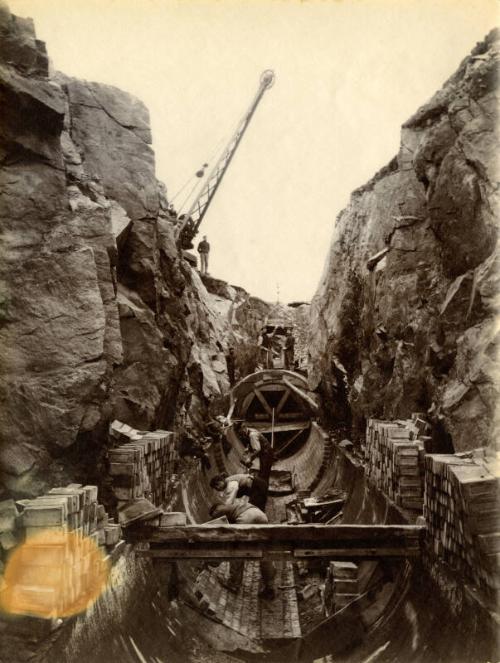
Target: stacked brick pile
341,586
394,454
462,514
9,532
143,464
68,543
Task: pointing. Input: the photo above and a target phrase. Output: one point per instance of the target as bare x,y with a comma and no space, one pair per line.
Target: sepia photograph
249,297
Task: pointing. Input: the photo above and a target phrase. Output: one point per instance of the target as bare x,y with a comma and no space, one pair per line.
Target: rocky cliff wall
101,317
403,319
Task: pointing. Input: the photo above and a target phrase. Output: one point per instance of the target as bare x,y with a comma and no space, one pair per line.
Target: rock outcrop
403,319
101,316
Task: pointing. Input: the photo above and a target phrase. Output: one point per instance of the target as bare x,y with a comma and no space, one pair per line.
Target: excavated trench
163,612
127,330
392,620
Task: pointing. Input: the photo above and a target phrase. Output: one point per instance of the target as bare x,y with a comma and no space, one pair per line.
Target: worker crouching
240,485
241,512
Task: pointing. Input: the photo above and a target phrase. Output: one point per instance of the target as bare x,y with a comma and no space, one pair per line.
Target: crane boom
194,216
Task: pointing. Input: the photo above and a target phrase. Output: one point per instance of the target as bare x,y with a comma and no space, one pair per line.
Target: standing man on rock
204,250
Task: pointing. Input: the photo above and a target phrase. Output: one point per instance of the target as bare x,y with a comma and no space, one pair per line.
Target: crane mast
194,216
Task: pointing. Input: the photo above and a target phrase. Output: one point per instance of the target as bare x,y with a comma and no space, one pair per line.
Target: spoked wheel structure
275,402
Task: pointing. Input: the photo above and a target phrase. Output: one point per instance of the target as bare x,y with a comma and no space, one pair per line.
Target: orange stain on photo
54,574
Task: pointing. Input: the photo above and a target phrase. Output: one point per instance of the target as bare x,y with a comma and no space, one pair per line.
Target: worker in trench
289,351
266,342
190,447
251,490
216,432
242,512
241,485
259,456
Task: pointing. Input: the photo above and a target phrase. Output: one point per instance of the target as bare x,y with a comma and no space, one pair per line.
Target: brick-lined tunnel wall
335,467
457,494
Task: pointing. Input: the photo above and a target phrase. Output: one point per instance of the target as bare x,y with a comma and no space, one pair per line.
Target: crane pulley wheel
267,78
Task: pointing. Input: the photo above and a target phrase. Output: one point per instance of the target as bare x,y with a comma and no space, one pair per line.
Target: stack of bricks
9,534
341,586
143,464
462,514
394,454
69,544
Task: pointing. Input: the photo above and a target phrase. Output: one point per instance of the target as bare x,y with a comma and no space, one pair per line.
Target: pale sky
348,74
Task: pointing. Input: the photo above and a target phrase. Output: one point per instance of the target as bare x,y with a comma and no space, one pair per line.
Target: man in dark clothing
216,429
188,446
267,349
204,250
231,366
289,350
260,455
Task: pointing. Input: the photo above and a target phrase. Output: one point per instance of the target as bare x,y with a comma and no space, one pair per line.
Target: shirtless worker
241,512
241,485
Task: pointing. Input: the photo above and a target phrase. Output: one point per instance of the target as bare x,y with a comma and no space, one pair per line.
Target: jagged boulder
53,318
406,303
19,46
110,130
101,316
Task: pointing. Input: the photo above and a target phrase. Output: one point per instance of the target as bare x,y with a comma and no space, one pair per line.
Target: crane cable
183,204
217,149
181,189
195,175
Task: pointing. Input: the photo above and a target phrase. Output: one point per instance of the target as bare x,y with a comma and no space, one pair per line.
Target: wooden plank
272,387
312,531
180,553
284,541
282,401
356,553
282,427
263,401
285,554
302,394
309,503
285,446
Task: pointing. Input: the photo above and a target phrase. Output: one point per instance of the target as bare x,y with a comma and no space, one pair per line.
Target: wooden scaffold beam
284,541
